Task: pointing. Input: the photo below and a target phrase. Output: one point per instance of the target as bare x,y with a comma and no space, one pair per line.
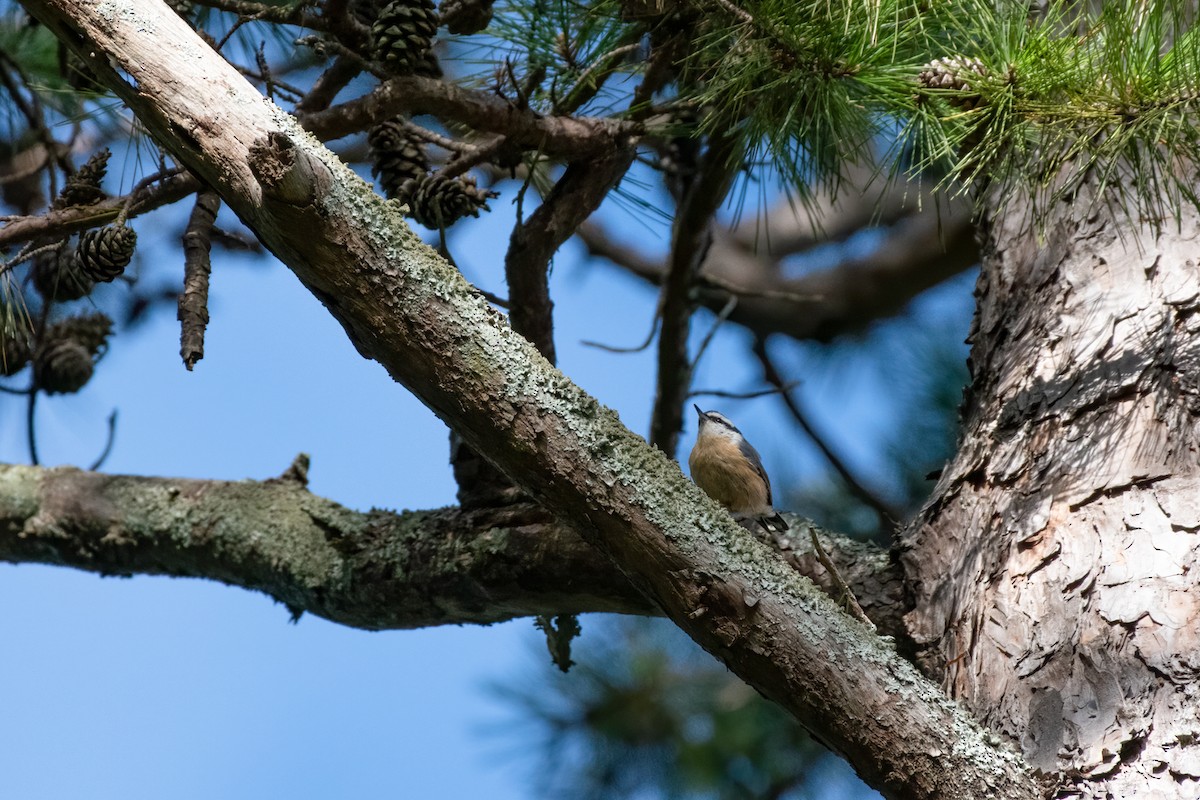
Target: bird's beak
698,411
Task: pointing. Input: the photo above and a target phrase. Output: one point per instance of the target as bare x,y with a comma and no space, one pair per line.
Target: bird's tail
773,523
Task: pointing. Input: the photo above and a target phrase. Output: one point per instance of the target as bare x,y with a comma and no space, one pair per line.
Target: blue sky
163,688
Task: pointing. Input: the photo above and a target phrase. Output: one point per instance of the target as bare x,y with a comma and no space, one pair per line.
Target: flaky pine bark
403,306
1055,571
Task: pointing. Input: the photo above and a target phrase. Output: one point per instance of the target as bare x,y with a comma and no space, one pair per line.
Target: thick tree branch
864,197
405,307
377,570
917,253
328,84
580,190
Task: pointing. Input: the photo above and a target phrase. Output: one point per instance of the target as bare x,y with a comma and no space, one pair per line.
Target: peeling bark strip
403,306
197,265
1056,570
379,570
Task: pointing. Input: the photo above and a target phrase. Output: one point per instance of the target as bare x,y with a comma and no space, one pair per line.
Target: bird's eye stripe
721,421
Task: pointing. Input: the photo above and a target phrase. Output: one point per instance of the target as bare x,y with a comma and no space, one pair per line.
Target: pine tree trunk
1054,572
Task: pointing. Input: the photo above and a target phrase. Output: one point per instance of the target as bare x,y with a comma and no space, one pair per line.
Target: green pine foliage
566,53
817,84
810,86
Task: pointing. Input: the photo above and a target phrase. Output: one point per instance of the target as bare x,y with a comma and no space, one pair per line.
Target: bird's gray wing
752,456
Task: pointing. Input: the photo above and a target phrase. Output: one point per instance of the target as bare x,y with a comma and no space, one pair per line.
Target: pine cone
396,156
14,350
104,253
91,331
404,33
83,188
57,276
436,201
954,74
63,366
466,16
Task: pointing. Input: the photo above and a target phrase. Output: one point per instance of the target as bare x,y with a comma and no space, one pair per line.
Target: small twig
583,91
108,444
10,390
847,598
232,29
660,69
27,252
533,79
288,14
444,142
443,248
511,76
467,159
197,266
29,426
62,223
494,299
297,471
235,240
282,89
730,305
604,59
887,516
732,288
744,395
140,187
636,349
319,46
740,13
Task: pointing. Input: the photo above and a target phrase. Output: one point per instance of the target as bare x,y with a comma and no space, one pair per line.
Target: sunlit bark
1054,572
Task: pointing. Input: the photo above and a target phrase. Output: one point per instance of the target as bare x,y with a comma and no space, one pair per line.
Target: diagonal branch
889,518
402,305
328,84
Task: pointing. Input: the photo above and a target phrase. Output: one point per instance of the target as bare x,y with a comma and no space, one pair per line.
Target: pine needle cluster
1053,94
560,56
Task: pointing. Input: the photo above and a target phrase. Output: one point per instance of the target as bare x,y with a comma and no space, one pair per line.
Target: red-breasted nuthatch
730,470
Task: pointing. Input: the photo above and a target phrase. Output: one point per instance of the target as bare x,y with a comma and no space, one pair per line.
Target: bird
730,471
